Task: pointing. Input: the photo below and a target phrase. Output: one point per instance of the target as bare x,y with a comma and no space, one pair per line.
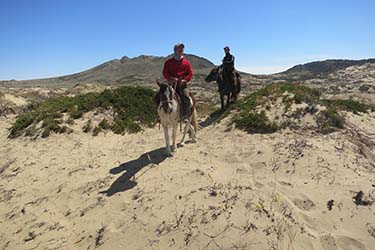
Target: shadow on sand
126,180
212,118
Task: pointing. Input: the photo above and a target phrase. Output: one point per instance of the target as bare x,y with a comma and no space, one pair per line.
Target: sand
231,190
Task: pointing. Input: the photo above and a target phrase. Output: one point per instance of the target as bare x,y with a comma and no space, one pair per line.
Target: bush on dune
251,117
133,108
255,123
348,105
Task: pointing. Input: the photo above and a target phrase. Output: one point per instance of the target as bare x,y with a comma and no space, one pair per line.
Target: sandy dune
231,190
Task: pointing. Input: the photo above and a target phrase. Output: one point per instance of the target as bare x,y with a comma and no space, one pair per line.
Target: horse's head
166,96
213,74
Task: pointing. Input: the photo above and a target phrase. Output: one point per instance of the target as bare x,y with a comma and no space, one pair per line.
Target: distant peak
327,66
143,57
146,57
124,58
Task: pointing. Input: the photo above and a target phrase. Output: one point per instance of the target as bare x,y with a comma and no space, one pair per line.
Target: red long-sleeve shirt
177,68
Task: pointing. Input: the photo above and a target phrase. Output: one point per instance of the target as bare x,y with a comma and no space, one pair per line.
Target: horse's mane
163,87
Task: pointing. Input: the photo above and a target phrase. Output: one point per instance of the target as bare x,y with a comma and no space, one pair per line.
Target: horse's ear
158,83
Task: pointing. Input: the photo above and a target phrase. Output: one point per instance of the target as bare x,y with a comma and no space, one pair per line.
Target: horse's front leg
222,101
238,87
174,131
167,143
187,127
232,97
228,100
192,134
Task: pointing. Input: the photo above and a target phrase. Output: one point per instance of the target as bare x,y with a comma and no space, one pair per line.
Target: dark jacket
228,61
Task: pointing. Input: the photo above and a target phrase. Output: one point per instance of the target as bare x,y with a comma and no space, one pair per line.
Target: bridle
168,101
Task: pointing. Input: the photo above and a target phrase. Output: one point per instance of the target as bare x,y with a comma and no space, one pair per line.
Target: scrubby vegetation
348,105
255,123
132,109
293,102
328,120
206,108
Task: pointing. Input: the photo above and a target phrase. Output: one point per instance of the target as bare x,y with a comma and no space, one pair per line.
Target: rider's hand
172,81
183,83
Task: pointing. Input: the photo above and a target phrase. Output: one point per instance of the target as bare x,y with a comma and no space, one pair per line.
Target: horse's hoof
168,153
174,149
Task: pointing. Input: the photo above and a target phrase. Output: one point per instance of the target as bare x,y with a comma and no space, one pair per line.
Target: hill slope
331,76
119,71
326,67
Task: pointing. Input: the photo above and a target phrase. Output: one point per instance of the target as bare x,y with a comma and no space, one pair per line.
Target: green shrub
123,126
249,119
22,123
133,105
348,105
255,123
70,121
273,91
104,124
329,120
87,127
74,113
96,131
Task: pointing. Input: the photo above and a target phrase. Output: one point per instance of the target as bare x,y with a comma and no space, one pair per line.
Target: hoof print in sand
328,242
305,204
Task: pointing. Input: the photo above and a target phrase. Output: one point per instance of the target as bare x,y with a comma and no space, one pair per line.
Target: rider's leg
185,99
231,79
230,73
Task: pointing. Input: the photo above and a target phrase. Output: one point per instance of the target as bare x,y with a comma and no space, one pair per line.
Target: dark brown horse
227,86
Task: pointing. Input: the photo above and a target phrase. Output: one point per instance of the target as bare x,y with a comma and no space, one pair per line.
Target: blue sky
42,38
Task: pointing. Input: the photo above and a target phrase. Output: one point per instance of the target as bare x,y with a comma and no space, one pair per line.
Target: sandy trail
231,190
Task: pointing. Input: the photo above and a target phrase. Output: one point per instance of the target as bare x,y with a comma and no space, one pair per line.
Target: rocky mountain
137,70
326,67
331,76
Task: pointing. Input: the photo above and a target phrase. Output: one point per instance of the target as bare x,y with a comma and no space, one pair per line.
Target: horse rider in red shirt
178,72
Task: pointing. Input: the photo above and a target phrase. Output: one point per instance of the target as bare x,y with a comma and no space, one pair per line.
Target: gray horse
169,110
